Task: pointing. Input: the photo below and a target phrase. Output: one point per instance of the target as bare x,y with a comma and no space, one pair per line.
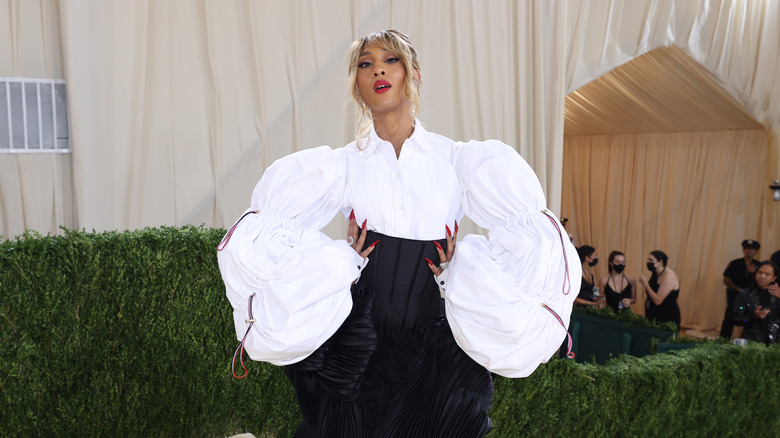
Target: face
765,276
619,260
381,77
749,252
592,258
654,261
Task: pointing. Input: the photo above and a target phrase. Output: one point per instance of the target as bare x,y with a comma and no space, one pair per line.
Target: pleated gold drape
693,195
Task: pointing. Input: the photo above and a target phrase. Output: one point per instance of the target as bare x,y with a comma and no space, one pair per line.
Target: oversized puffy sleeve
298,278
509,297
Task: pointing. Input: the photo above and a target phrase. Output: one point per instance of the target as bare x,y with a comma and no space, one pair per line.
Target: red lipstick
381,86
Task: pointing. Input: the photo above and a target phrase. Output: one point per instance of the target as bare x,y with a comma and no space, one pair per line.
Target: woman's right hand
356,239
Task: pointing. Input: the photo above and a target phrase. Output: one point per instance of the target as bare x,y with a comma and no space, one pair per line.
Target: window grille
33,116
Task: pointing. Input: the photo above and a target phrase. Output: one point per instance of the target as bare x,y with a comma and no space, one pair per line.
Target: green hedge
626,316
129,334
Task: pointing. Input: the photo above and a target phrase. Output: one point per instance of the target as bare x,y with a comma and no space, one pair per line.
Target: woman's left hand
444,257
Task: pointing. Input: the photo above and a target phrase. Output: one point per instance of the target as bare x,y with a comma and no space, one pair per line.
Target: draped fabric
690,195
697,193
178,106
36,190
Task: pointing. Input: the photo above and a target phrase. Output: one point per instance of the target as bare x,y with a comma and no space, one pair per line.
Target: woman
588,259
393,332
662,290
758,307
619,288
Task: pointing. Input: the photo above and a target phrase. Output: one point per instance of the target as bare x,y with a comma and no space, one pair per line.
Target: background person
662,290
618,288
738,275
775,258
588,259
757,307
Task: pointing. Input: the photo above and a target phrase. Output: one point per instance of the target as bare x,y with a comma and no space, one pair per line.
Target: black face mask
651,266
594,262
618,268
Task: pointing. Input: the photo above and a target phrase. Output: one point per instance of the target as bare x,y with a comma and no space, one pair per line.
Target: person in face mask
589,259
662,290
619,288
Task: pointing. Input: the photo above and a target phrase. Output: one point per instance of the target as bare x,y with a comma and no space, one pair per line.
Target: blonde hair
398,43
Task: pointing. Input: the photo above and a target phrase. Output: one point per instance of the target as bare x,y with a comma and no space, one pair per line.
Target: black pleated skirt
393,369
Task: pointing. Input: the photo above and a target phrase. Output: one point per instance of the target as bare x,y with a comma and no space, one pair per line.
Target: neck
748,259
394,127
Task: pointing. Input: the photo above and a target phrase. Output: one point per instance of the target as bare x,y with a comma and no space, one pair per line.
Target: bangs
389,40
384,40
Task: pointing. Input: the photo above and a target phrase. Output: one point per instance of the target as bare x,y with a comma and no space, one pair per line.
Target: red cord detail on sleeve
566,280
569,353
251,321
229,234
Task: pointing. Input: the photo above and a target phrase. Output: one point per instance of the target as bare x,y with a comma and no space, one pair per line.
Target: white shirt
413,196
498,289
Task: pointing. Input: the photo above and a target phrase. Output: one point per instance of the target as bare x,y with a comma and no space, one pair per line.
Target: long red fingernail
428,260
373,244
449,233
364,224
352,215
456,227
437,245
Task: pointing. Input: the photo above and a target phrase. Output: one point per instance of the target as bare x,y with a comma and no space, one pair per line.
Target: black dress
668,310
586,290
393,369
614,299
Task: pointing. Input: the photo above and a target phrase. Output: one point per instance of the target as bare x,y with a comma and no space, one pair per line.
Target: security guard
738,275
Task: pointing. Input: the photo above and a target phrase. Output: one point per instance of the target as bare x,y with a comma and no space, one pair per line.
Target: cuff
441,281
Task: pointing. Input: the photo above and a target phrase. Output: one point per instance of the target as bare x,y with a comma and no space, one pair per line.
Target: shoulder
734,264
671,278
437,143
737,262
490,146
439,139
350,148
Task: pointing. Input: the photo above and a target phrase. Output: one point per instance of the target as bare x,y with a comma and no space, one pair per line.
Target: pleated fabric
393,369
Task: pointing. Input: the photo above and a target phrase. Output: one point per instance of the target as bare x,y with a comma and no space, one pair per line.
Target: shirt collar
417,139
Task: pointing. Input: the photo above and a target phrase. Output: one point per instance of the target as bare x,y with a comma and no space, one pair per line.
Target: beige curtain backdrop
177,106
35,189
691,195
737,41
